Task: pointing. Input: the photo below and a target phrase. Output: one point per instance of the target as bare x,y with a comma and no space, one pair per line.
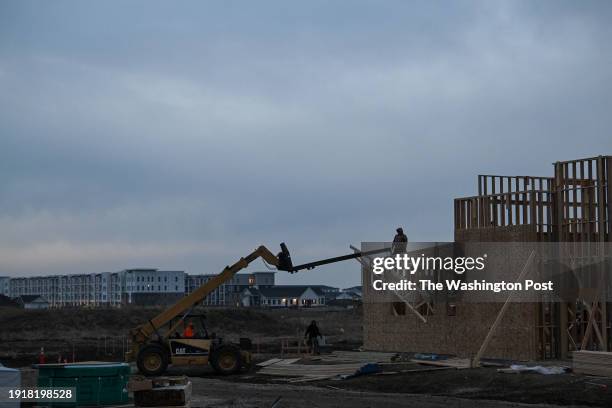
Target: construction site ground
224,394
450,387
426,388
102,334
443,388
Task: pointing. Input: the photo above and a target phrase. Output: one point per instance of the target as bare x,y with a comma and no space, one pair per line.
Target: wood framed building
574,205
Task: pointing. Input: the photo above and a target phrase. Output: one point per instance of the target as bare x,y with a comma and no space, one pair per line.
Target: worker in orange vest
188,331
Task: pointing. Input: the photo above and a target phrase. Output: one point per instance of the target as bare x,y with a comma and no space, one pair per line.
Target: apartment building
151,286
5,285
95,289
137,286
113,289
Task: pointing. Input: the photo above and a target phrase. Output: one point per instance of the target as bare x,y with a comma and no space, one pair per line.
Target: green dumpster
96,384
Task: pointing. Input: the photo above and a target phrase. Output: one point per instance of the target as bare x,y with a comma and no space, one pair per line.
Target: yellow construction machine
157,344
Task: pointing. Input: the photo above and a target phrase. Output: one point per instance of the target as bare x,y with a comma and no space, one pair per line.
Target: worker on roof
188,332
400,242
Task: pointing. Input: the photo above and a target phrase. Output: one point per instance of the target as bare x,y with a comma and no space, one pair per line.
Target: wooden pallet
360,356
311,371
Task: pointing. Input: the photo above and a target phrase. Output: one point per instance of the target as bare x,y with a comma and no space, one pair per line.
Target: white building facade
95,289
5,285
151,284
105,289
137,286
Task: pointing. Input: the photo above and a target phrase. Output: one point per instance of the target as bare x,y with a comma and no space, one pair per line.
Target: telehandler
156,343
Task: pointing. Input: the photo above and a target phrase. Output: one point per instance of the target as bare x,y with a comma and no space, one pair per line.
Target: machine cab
190,343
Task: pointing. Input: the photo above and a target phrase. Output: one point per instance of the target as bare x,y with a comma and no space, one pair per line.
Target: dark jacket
312,331
400,243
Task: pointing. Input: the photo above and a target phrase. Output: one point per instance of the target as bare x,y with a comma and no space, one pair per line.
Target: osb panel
461,334
512,233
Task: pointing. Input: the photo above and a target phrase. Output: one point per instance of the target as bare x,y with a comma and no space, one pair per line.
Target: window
399,308
425,309
451,309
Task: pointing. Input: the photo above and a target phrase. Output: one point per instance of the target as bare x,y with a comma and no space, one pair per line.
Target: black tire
152,360
226,360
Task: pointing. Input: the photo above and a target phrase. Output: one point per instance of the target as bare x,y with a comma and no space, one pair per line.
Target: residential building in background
329,292
147,286
95,289
284,296
5,285
105,289
136,286
355,292
229,293
32,302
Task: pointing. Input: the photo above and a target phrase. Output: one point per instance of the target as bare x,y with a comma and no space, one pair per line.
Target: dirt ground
481,386
455,388
101,334
23,332
217,393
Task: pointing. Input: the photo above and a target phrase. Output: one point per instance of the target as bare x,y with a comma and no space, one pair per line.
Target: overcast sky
183,134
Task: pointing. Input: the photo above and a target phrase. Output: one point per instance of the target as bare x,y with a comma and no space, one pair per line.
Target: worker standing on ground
400,242
312,334
188,332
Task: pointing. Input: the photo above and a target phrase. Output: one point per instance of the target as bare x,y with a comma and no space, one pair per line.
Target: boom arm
143,332
312,265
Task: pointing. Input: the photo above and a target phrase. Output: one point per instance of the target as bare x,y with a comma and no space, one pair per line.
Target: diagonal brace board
500,315
412,308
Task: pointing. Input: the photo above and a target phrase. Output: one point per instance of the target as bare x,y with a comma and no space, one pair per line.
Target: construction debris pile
340,364
347,364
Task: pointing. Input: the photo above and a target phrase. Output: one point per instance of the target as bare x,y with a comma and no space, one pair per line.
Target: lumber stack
309,372
593,363
361,356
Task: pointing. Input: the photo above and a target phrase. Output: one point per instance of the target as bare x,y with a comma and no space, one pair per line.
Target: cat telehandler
157,344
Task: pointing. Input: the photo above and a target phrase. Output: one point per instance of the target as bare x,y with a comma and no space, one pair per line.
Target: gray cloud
182,136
